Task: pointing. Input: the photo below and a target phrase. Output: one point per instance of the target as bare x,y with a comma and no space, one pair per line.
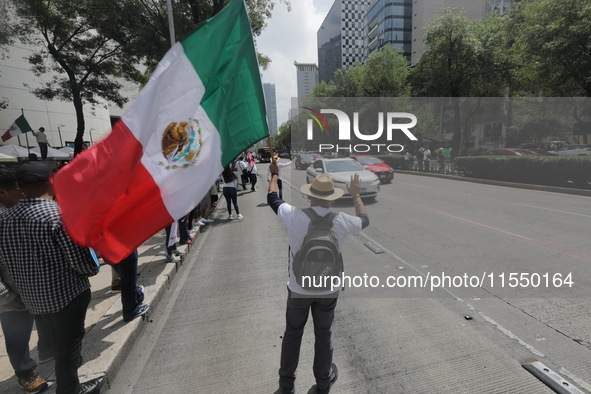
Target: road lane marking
553,210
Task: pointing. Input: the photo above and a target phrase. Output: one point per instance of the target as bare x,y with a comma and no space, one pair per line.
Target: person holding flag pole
202,107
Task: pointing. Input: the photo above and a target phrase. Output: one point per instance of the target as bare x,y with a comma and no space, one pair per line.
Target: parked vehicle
384,172
341,171
511,152
573,150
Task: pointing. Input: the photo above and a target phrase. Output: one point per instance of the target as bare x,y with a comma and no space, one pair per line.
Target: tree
146,22
464,59
83,61
385,74
553,46
7,34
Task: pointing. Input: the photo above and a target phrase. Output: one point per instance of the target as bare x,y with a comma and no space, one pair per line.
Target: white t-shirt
296,222
41,137
240,165
252,168
233,184
280,166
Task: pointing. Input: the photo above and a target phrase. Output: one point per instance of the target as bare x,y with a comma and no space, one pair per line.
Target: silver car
573,150
341,170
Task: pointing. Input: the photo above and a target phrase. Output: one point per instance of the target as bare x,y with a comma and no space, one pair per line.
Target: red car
384,172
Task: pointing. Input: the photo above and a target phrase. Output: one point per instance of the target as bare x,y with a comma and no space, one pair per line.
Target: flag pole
26,136
270,147
170,22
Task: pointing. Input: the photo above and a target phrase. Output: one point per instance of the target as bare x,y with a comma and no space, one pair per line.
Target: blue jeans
296,317
171,248
184,234
131,296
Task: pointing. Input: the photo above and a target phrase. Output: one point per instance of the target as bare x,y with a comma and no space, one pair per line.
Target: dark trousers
296,318
184,234
280,186
68,329
131,296
244,178
17,327
253,181
43,150
169,249
231,197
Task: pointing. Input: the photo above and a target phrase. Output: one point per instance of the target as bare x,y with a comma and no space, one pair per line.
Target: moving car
384,172
573,150
341,171
303,160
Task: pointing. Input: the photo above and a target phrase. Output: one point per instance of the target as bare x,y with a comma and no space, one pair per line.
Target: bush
539,170
394,161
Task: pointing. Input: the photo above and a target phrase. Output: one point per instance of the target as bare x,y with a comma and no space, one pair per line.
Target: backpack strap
312,215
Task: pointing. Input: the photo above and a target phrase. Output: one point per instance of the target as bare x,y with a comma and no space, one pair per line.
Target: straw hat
322,187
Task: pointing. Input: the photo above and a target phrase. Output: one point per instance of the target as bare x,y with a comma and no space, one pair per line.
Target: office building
271,106
388,22
307,78
340,37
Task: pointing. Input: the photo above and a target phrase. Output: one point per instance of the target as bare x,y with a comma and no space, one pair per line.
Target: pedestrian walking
321,193
50,272
230,194
241,169
253,173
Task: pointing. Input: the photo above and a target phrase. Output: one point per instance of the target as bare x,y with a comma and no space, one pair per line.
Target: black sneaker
92,386
140,310
335,376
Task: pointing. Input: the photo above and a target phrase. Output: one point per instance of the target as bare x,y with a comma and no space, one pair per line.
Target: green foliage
553,46
385,74
539,170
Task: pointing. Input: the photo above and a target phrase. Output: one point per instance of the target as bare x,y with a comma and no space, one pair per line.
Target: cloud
290,36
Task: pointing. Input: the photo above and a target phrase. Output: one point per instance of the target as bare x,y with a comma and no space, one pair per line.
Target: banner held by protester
203,106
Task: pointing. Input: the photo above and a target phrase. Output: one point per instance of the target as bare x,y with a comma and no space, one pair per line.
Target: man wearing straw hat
321,194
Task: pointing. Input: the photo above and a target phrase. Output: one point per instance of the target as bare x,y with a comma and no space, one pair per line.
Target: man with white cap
321,194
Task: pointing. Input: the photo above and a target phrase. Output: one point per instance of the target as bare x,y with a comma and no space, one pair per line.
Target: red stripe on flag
108,200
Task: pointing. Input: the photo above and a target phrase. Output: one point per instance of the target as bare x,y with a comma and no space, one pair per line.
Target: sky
290,36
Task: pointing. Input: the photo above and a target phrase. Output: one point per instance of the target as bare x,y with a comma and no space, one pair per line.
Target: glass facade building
271,106
388,22
340,37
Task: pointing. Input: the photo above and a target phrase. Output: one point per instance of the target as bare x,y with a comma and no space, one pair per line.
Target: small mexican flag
19,126
202,107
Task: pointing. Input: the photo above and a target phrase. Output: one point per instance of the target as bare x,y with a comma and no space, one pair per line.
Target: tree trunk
78,105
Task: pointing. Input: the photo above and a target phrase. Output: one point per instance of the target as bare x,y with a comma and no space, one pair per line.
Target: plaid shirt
48,268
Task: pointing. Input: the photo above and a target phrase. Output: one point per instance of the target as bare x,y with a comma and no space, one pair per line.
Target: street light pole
170,22
60,133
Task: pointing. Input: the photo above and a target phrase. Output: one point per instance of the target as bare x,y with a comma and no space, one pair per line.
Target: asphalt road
487,278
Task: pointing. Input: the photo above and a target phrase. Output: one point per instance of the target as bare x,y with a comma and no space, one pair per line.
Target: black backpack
319,258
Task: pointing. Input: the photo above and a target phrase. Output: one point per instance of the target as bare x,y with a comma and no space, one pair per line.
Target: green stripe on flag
223,54
22,124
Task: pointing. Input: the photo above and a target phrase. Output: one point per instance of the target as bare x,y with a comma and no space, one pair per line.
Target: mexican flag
19,126
202,107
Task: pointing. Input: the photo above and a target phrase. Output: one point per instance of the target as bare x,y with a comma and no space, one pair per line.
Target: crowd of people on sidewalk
44,273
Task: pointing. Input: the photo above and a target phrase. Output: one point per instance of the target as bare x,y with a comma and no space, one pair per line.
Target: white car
573,150
341,170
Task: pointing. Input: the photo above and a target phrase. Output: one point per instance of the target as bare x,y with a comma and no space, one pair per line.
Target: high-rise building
307,78
500,6
388,22
423,11
271,106
340,37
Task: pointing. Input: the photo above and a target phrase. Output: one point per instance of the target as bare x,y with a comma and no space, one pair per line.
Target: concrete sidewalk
107,335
